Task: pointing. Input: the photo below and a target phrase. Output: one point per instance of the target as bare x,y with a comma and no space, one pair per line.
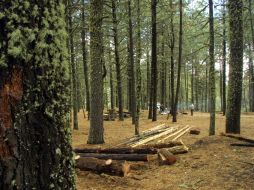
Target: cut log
119,150
195,131
127,157
171,135
238,137
165,157
118,168
178,149
170,130
242,145
181,134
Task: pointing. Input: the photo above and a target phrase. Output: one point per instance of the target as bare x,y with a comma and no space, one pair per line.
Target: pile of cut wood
159,143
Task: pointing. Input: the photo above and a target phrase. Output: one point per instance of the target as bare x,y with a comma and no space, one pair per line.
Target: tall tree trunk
117,62
163,73
96,131
154,58
149,87
35,149
192,82
172,65
138,72
250,58
251,79
132,67
111,82
224,62
74,73
212,97
196,85
179,60
84,54
129,76
235,8
206,88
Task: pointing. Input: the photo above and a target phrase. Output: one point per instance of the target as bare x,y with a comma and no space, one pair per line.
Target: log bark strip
238,137
242,145
127,157
119,168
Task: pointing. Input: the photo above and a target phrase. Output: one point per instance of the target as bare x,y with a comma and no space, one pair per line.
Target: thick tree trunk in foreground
119,168
235,8
96,131
35,150
212,95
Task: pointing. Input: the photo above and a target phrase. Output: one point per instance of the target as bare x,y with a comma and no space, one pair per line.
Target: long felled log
127,157
123,150
144,134
238,137
163,145
144,149
119,168
146,140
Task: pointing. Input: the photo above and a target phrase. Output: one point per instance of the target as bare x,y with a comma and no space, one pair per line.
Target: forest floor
211,163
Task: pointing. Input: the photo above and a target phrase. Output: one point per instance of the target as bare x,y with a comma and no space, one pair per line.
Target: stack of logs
138,148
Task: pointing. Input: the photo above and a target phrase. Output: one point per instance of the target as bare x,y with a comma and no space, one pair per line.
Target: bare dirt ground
211,164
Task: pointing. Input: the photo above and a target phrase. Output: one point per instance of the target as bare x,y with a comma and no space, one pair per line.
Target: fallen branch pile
137,148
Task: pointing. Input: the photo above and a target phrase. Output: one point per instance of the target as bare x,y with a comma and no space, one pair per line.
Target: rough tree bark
35,149
84,54
250,59
73,71
138,69
132,67
96,131
211,71
117,62
235,9
224,61
179,60
154,59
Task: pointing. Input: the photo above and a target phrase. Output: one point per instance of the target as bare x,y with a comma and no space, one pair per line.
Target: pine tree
211,71
96,132
84,56
35,147
235,9
154,60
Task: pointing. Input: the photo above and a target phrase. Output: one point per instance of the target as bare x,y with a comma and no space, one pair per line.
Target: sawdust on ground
211,164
